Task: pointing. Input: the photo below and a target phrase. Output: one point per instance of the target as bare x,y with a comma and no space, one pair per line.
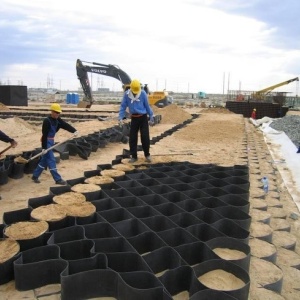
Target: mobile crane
159,99
259,95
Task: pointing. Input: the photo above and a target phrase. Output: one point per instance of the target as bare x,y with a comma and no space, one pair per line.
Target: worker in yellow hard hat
55,107
50,126
136,100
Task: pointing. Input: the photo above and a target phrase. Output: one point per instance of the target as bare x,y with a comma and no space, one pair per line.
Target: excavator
159,98
259,95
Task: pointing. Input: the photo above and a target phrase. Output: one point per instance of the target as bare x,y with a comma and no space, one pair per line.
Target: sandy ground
217,136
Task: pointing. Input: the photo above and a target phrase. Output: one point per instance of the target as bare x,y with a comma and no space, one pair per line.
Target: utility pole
228,82
91,81
223,82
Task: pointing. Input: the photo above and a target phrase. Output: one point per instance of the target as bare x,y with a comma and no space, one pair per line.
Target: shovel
107,118
127,116
5,149
23,160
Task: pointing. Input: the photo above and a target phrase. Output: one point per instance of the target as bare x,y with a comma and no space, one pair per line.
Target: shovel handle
5,149
48,149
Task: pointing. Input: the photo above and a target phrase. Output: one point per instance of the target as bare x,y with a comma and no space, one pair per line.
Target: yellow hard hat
135,86
254,109
55,107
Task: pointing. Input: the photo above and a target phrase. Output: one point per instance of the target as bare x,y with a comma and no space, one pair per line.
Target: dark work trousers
139,124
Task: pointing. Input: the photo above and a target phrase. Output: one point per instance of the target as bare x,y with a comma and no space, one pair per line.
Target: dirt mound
171,114
3,107
15,127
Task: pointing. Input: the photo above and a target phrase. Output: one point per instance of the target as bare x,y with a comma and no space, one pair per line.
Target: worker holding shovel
50,126
6,139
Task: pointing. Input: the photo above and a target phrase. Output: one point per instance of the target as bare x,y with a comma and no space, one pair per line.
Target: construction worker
6,139
50,126
136,100
253,115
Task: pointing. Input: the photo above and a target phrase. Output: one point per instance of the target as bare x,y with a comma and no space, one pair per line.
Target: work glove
151,122
76,133
14,143
121,123
44,151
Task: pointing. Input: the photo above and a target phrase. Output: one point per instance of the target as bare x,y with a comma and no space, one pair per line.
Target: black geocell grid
152,236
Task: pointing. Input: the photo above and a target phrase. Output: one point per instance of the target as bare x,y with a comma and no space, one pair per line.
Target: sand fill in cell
98,180
112,173
8,249
50,213
85,188
69,198
83,209
26,230
221,280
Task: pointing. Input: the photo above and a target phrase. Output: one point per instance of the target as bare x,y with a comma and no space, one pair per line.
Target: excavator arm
101,69
158,98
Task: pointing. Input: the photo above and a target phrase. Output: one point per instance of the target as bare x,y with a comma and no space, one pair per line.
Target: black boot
298,150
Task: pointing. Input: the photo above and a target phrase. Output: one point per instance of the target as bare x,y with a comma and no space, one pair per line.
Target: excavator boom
101,69
160,99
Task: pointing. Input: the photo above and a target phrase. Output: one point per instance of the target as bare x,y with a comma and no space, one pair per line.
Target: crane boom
272,87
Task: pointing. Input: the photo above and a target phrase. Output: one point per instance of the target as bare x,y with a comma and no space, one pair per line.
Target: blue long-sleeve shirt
136,105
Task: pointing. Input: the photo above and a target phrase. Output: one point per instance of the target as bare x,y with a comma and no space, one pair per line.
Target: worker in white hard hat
50,126
136,100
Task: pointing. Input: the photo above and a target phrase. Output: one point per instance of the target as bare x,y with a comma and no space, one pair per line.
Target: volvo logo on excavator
98,71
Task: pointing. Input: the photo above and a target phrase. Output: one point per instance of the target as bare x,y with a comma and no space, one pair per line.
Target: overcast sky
180,45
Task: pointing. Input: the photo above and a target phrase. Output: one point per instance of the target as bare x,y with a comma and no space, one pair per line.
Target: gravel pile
290,125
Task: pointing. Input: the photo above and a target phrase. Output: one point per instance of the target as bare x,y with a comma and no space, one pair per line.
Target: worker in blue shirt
136,100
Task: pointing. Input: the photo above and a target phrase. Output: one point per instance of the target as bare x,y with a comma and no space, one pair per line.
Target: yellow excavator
159,98
260,95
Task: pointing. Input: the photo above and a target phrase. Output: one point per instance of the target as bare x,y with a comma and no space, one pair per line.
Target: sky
179,45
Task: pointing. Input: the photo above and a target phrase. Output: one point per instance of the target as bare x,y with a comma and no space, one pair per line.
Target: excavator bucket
84,104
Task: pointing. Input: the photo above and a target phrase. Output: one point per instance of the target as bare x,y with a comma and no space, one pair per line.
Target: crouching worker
50,126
